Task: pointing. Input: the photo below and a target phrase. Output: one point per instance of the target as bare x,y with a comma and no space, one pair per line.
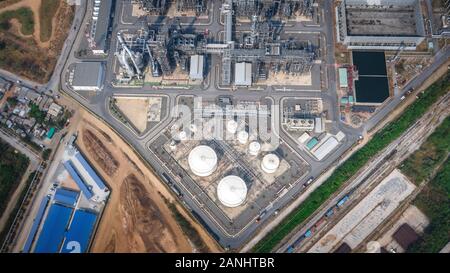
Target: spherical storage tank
202,160
270,163
232,191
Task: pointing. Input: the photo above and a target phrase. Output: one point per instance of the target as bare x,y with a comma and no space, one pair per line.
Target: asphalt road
98,105
377,168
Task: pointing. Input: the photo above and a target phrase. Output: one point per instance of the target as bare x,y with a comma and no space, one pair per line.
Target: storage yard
236,178
365,217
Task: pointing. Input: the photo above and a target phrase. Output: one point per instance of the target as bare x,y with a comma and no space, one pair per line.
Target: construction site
236,178
259,52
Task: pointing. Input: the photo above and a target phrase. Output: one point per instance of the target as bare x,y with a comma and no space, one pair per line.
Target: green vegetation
23,15
12,166
36,113
47,12
46,154
12,101
421,164
434,201
14,212
188,229
23,57
344,172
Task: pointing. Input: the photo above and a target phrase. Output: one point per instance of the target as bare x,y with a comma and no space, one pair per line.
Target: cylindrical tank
202,160
232,191
232,126
173,145
242,137
182,135
254,148
270,163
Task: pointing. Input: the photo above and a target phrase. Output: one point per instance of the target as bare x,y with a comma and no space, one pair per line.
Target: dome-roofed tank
254,148
242,137
232,191
202,160
232,126
270,163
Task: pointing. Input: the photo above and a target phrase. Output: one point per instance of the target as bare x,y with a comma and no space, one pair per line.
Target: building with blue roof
78,180
52,233
98,181
66,196
36,222
80,232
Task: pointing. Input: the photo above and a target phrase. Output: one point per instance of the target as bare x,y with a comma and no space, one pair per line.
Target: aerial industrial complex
67,216
241,109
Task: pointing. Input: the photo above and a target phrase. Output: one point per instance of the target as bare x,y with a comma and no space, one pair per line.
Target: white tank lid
232,191
254,147
232,126
242,137
182,135
202,160
270,163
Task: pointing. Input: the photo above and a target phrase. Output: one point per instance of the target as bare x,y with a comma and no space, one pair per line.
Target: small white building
243,74
196,67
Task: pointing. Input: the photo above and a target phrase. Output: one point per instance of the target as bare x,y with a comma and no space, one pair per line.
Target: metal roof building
243,74
196,67
325,148
88,76
101,16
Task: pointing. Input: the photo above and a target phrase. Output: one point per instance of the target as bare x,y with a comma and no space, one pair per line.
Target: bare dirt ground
37,58
34,6
136,217
135,110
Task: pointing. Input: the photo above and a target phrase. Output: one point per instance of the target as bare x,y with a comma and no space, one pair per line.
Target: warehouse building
196,67
325,148
101,17
88,76
380,25
243,74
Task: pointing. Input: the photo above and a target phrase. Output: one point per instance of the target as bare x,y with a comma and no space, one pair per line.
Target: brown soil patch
34,6
136,217
142,219
99,152
27,56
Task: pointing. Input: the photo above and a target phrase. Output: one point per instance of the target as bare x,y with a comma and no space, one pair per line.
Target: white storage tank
182,136
202,160
232,191
232,126
254,148
270,163
242,137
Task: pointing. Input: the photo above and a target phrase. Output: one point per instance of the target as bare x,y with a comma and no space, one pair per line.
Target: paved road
378,167
98,105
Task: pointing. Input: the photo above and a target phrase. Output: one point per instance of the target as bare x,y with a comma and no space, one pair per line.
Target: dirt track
136,217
